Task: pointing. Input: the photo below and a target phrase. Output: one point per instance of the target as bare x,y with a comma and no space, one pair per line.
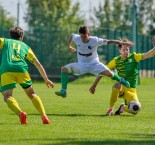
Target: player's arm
92,88
33,59
43,73
150,53
110,65
71,49
118,42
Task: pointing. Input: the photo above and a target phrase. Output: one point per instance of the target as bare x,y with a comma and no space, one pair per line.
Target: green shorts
9,80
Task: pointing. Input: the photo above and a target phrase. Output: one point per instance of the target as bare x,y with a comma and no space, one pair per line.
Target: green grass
79,119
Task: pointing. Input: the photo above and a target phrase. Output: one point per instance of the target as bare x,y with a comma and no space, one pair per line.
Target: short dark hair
83,29
16,32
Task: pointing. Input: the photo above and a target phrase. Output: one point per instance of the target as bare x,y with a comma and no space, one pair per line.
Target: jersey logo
90,47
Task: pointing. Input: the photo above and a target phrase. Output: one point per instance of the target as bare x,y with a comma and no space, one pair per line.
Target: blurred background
49,23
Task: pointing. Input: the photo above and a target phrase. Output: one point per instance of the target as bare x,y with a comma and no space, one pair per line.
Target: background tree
113,15
146,16
5,22
51,22
117,14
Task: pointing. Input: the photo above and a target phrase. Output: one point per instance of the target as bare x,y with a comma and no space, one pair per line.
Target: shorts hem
7,87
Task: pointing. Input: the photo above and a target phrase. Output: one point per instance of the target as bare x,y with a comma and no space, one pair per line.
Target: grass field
80,118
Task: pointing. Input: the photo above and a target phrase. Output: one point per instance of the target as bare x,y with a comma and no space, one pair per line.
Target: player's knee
117,86
109,73
64,69
31,96
6,97
30,92
134,107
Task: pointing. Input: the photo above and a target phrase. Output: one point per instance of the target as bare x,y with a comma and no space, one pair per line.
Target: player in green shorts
14,69
127,67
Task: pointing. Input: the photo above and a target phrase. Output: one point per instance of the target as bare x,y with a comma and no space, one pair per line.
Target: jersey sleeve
1,43
102,41
112,64
31,56
74,37
138,56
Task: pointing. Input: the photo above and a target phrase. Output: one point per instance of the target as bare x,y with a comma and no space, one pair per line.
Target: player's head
16,33
124,49
84,33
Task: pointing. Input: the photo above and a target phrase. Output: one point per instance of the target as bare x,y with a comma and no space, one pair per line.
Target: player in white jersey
88,60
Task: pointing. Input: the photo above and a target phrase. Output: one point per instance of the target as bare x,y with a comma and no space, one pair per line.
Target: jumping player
14,69
88,60
127,67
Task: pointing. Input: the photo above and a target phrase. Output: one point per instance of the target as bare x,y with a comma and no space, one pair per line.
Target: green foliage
117,14
79,119
114,15
146,16
5,22
51,23
55,14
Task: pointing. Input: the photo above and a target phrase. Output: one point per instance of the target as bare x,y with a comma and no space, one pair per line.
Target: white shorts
84,68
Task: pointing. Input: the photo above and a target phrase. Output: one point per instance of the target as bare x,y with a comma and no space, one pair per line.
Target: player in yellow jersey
14,69
127,67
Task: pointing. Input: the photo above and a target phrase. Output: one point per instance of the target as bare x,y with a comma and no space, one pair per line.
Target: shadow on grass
142,136
74,141
86,115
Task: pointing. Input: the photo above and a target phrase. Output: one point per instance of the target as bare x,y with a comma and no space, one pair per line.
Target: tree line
50,22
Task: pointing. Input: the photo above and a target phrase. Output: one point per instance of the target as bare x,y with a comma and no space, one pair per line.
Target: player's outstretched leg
124,82
121,80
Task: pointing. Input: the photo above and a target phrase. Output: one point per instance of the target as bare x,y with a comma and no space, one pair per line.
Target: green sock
116,77
64,80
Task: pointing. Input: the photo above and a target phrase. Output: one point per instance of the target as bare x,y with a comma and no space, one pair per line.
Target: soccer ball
134,107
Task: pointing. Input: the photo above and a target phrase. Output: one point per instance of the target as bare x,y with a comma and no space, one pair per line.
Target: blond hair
123,39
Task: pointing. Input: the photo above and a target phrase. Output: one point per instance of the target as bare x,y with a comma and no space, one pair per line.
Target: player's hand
92,90
128,44
71,49
49,83
153,41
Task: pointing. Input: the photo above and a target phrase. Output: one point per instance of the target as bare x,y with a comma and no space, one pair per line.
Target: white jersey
87,52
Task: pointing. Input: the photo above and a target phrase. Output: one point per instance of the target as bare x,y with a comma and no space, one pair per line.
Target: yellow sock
114,96
38,105
126,109
13,105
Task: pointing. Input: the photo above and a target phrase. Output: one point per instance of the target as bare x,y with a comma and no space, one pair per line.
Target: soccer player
127,66
14,69
88,60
